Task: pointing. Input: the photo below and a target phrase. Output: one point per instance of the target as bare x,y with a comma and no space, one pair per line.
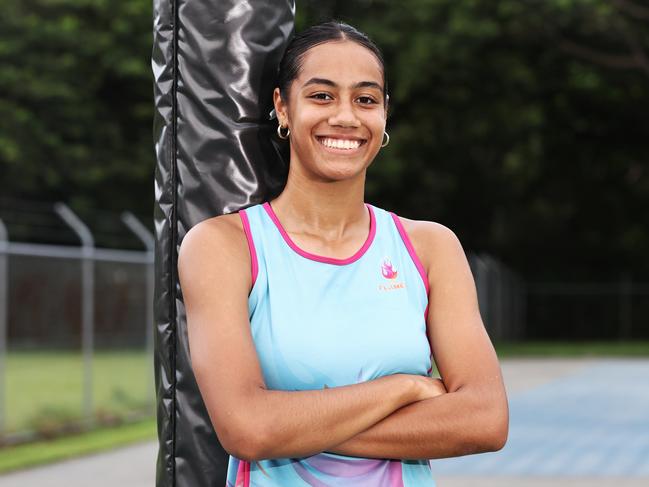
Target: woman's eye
366,100
321,96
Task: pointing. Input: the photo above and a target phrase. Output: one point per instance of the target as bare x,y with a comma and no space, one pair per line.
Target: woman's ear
280,108
387,104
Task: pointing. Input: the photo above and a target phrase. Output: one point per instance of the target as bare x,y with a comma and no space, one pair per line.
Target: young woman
312,317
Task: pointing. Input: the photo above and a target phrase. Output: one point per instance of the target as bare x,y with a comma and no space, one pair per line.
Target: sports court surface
588,427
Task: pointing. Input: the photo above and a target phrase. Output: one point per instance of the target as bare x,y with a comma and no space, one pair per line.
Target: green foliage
76,103
50,420
513,123
520,124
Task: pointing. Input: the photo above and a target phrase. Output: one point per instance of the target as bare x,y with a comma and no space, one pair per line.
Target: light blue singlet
323,322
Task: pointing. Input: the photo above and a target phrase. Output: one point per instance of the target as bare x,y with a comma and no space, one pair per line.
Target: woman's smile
340,145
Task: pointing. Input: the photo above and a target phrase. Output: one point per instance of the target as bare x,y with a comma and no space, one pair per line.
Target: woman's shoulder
426,231
215,239
431,240
226,227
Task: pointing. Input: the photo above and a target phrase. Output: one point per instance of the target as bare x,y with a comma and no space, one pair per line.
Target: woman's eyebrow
328,82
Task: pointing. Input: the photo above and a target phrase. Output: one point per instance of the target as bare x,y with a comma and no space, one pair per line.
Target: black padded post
214,66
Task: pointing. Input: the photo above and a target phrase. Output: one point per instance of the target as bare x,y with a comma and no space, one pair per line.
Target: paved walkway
573,422
589,426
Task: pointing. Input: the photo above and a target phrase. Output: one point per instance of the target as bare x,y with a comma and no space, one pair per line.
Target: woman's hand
429,387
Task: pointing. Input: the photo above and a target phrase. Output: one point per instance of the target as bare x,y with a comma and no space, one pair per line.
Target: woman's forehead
344,62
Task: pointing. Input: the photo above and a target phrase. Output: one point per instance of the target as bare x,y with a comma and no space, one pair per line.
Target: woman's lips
340,145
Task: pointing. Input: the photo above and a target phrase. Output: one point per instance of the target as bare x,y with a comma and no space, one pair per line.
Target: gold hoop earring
386,138
282,135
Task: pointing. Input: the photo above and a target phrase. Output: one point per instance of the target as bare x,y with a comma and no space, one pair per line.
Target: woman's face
335,110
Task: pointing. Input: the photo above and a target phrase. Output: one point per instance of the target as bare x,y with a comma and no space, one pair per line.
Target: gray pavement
576,423
132,466
581,422
501,481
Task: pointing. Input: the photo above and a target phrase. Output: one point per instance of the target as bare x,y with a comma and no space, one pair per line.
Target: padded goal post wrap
214,65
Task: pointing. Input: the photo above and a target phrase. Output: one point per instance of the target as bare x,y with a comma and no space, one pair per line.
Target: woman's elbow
243,451
499,438
245,441
496,428
488,428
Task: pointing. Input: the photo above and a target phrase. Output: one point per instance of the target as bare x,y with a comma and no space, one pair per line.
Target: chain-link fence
76,321
610,311
514,309
501,295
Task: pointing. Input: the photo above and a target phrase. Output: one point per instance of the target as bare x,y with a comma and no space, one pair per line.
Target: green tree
506,133
76,102
520,124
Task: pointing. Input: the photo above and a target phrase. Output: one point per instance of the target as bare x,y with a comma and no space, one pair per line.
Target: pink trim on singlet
321,258
251,245
411,251
415,259
243,474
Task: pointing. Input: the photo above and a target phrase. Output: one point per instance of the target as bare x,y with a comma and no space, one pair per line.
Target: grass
42,452
573,349
45,389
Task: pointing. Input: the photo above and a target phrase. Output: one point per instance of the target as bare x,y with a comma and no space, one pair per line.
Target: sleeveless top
320,322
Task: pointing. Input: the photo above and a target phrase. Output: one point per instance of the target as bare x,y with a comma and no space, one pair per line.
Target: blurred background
520,124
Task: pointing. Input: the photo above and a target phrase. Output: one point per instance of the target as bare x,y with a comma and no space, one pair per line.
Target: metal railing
614,310
501,296
47,283
514,309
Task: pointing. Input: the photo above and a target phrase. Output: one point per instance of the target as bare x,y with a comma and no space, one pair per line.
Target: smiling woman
335,119
314,362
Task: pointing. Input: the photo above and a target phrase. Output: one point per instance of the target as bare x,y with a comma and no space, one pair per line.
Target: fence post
521,310
4,313
626,321
147,238
481,276
87,299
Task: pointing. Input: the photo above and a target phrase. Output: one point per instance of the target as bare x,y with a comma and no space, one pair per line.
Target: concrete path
132,466
539,482
573,422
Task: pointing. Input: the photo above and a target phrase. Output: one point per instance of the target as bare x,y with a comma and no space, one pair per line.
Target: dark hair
291,63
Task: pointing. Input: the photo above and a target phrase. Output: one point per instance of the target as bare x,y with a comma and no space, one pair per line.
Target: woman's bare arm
250,421
449,425
473,416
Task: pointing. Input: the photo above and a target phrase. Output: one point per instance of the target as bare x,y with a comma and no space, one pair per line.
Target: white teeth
340,143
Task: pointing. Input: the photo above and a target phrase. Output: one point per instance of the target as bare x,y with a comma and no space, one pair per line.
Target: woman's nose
344,116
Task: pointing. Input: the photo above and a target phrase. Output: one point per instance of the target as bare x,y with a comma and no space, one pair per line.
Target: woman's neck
330,210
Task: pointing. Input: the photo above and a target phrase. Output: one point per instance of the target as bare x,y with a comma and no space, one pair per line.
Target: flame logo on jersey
387,269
